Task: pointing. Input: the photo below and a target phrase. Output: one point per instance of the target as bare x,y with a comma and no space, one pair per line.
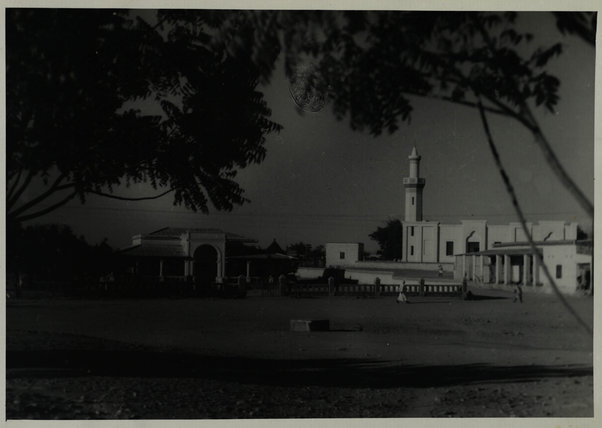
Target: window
558,271
449,248
472,247
342,255
411,230
412,200
411,250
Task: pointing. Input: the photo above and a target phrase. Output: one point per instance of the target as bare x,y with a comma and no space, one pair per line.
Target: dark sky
322,182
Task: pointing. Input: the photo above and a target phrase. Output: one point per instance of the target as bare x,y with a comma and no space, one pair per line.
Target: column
161,268
404,244
507,269
498,267
219,269
474,266
526,269
481,262
248,270
463,265
535,270
421,244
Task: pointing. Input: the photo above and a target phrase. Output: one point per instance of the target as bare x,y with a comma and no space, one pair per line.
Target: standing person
518,294
331,286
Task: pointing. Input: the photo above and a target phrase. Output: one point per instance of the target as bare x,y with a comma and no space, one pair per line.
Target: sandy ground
214,358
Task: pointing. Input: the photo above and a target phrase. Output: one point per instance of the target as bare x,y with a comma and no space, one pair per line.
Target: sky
322,182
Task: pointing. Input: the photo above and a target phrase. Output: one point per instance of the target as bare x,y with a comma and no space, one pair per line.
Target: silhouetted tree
301,250
307,254
389,239
98,98
54,252
370,64
73,120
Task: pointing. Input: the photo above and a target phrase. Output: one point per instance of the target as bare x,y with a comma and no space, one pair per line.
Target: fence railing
375,290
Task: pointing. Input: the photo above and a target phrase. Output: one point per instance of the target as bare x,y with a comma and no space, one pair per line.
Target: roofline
558,242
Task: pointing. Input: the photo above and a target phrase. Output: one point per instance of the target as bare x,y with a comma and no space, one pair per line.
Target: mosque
474,249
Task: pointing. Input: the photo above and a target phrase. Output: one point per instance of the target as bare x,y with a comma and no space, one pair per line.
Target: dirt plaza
237,358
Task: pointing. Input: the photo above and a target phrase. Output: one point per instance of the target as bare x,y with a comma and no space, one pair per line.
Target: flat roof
153,251
176,232
500,252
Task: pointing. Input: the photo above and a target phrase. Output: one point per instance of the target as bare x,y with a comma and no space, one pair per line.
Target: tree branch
53,188
531,123
557,167
15,183
123,198
15,197
46,210
464,103
523,221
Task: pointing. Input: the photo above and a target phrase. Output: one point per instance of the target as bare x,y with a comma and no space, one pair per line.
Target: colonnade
499,268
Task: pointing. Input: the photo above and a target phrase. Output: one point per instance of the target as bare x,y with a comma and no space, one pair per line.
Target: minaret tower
414,185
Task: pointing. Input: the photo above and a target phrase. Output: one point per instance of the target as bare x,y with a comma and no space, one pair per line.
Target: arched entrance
205,264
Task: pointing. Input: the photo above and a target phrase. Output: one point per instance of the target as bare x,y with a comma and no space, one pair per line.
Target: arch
205,267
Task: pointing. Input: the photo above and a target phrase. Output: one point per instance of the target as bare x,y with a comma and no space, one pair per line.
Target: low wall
368,277
309,272
412,289
385,265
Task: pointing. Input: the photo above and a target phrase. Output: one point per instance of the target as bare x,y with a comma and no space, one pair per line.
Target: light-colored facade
568,263
483,252
434,242
496,254
343,253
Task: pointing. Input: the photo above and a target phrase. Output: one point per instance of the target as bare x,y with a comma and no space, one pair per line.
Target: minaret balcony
413,181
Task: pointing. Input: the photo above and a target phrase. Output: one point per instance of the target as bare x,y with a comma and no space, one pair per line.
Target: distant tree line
306,254
55,253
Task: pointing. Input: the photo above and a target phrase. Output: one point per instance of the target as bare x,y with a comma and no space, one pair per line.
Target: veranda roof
153,251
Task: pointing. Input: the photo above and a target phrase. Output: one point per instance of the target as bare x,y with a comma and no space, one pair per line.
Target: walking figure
518,295
402,294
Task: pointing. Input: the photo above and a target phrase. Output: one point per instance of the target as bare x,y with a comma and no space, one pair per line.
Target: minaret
414,185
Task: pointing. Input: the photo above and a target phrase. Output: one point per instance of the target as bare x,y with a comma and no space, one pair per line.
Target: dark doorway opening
205,265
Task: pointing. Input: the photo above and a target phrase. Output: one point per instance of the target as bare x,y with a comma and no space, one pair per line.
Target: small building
340,254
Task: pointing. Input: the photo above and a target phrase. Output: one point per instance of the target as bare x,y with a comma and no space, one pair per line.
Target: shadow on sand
483,297
355,373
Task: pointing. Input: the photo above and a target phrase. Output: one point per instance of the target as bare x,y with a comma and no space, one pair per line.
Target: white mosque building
475,249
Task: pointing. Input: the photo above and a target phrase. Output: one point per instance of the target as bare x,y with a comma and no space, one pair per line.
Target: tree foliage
305,252
390,240
100,98
54,253
371,65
